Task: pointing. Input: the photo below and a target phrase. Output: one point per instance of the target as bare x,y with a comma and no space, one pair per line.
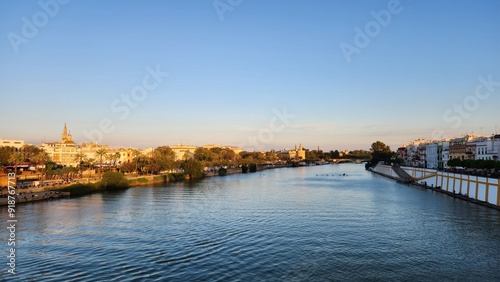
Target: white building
487,148
431,155
421,155
183,152
411,152
18,144
445,153
66,152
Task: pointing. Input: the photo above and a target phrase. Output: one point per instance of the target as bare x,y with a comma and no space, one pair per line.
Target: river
290,224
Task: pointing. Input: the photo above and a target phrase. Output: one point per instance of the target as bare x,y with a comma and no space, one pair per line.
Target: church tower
66,137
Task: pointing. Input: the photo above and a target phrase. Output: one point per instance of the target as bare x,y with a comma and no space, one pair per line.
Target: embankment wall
485,189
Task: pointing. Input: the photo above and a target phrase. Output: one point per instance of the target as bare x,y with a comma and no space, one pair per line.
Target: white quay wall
386,170
485,189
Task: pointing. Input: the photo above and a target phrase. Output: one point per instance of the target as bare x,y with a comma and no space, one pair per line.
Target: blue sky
230,72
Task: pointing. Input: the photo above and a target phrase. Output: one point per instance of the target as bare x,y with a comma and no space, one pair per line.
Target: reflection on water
287,224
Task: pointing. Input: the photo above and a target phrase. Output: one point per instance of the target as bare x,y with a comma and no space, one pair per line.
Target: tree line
160,159
476,164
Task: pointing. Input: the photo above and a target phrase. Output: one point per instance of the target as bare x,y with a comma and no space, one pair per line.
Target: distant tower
66,137
301,153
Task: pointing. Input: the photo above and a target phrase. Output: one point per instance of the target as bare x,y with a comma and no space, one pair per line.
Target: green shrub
176,176
194,168
253,168
81,189
222,171
160,178
112,180
141,180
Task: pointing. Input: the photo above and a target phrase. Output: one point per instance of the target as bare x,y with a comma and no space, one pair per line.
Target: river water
291,224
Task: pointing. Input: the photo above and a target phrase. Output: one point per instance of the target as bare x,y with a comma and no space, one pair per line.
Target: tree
469,163
41,158
30,151
380,152
137,155
216,153
244,168
89,162
112,180
163,158
116,158
79,157
489,164
311,155
271,156
454,162
15,159
359,154
252,167
5,153
100,154
222,171
113,158
127,167
49,167
68,172
193,168
335,154
252,157
380,147
227,156
204,155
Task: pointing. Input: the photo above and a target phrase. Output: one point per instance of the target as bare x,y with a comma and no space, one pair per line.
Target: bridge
354,161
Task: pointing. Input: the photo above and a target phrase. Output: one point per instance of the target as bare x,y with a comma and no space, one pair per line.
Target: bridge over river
354,161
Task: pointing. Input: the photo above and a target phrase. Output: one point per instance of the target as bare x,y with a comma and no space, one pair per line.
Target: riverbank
478,190
81,187
36,196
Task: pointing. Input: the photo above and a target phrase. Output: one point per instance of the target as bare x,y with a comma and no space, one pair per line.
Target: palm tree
109,159
79,157
136,154
30,151
112,158
100,154
16,158
41,158
116,158
90,162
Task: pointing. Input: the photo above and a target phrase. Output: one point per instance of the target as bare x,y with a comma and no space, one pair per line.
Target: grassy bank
117,181
110,181
164,178
82,189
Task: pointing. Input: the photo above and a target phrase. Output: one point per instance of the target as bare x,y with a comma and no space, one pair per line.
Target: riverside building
435,154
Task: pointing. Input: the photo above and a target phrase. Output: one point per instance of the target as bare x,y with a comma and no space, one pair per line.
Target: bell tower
66,138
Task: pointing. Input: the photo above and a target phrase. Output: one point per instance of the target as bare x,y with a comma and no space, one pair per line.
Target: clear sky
349,72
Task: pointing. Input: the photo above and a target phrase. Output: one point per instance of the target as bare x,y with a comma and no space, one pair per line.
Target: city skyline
336,74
